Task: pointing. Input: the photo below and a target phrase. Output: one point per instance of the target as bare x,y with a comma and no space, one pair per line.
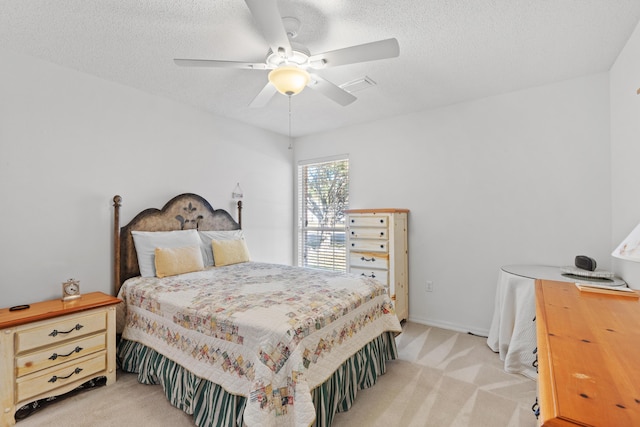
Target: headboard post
240,213
116,242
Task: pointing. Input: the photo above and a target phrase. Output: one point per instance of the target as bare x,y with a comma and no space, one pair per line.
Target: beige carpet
442,379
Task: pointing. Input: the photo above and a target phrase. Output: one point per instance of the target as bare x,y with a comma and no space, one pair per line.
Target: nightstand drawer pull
56,378
55,332
368,259
54,356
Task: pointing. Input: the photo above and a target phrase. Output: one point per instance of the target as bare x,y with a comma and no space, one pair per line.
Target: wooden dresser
377,247
588,357
53,347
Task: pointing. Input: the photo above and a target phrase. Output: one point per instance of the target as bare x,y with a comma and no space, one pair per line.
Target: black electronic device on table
586,263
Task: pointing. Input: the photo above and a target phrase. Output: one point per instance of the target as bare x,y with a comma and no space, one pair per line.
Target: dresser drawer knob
55,332
56,378
382,234
54,356
373,276
368,259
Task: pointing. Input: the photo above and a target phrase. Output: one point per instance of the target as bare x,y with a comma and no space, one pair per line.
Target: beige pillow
226,252
172,261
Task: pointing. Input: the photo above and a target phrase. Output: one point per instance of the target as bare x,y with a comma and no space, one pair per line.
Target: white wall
625,150
69,142
520,178
625,139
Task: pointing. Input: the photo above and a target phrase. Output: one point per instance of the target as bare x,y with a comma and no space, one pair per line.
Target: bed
238,342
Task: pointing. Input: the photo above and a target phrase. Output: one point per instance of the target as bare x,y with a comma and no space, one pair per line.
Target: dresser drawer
55,355
368,260
369,245
368,221
368,233
66,373
381,276
60,330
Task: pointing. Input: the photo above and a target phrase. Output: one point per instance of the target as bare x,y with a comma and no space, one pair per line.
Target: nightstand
53,347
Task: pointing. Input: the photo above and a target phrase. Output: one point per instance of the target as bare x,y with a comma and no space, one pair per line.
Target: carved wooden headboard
183,212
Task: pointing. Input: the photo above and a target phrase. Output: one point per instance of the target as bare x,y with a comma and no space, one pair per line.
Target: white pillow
207,236
146,243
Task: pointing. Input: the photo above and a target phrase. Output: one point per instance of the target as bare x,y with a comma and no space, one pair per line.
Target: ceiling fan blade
264,96
330,90
219,64
381,49
269,22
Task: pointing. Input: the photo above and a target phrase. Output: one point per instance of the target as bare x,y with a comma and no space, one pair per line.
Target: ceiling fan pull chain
290,146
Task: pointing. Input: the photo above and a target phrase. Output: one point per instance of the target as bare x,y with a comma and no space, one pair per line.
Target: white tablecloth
513,329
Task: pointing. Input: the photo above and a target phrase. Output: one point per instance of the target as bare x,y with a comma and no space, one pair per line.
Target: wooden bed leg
240,213
116,242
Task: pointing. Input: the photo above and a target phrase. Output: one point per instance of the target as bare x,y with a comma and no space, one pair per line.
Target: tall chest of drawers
377,247
53,347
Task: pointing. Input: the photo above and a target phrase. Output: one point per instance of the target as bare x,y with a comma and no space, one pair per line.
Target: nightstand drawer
369,260
369,245
368,233
60,330
66,373
368,221
381,276
56,355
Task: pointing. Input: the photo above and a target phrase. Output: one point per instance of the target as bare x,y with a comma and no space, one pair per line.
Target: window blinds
323,196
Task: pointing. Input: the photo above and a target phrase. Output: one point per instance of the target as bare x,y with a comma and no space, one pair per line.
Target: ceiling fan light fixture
289,80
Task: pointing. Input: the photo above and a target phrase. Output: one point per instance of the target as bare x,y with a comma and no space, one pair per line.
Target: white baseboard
451,326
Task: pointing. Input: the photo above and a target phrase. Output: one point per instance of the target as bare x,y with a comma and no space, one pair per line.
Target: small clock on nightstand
70,290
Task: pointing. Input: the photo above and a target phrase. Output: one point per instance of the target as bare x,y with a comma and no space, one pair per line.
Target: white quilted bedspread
268,332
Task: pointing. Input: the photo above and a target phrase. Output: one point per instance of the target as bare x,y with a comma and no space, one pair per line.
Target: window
323,196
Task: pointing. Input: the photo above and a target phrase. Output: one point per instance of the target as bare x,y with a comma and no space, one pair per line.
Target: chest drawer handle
373,276
54,356
368,259
55,332
56,378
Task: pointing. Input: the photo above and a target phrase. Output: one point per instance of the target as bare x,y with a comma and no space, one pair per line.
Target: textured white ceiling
450,50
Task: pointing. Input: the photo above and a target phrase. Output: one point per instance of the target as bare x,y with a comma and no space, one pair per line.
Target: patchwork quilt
268,332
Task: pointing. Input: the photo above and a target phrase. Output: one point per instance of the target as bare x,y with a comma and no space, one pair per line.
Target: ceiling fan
292,66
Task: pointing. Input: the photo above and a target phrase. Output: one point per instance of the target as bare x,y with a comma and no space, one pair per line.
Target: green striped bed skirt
212,406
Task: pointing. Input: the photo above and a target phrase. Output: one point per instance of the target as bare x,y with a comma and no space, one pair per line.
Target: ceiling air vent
358,84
